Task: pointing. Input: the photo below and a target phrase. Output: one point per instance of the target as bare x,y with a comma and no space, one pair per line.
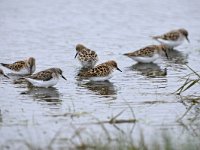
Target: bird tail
80,74
154,37
126,54
5,65
8,66
129,54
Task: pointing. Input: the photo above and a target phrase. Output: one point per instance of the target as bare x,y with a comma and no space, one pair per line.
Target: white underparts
41,83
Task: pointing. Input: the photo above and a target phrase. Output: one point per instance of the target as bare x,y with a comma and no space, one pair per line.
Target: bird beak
187,39
166,55
119,69
6,76
63,77
31,69
76,55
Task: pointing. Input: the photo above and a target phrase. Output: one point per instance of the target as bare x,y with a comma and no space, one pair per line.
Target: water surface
49,31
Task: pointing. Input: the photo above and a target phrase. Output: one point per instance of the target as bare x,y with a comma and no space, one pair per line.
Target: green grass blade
182,87
191,84
193,71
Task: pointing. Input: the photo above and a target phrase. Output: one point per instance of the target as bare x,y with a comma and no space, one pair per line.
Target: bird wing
98,71
93,55
16,66
172,36
42,75
88,55
143,52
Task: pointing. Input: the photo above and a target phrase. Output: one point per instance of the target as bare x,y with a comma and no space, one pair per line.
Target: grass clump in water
189,82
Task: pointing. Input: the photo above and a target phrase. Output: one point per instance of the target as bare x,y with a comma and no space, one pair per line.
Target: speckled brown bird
172,38
23,67
148,54
45,78
101,72
88,58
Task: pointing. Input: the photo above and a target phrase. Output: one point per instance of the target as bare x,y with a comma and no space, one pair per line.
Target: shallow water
49,31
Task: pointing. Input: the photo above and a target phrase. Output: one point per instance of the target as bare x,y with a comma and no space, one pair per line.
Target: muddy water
49,30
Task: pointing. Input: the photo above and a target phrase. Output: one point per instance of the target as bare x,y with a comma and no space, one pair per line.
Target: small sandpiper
46,78
88,58
2,74
172,38
101,72
148,54
23,67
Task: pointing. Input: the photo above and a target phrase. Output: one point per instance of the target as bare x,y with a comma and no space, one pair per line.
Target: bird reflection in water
104,88
50,95
177,57
150,70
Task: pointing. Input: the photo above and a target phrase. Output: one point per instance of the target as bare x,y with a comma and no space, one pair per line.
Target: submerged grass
126,142
119,141
189,83
104,139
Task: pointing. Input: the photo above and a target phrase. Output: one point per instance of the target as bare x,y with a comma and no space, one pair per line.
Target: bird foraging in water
45,78
101,72
22,67
148,54
172,38
88,58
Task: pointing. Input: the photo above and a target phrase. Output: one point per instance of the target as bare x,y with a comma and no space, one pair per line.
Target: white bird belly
41,83
100,78
23,71
169,43
146,59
